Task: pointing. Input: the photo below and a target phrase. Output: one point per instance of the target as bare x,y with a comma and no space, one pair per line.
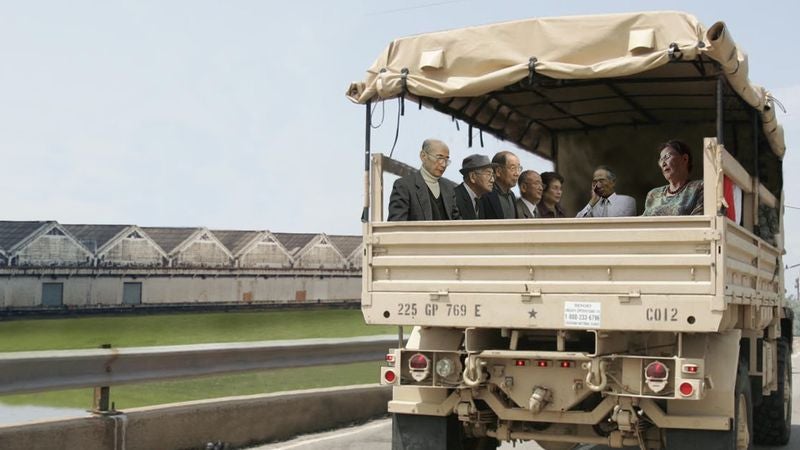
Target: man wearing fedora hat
478,174
425,195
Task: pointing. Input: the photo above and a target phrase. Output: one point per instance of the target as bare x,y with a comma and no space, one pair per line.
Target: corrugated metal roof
235,240
345,244
169,238
12,232
294,242
94,236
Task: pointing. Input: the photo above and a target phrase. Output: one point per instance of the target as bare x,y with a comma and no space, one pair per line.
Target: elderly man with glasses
478,174
501,203
423,195
605,202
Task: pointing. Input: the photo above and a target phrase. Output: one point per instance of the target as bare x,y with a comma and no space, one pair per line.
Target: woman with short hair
680,197
549,206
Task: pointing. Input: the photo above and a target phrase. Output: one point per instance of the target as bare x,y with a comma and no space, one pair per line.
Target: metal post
720,109
367,150
400,336
755,142
101,403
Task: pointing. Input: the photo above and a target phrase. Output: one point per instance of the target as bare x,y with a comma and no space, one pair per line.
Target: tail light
656,375
445,367
418,362
419,365
389,376
689,368
686,389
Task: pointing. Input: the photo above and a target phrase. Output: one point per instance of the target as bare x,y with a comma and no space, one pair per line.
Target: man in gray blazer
423,195
605,202
478,174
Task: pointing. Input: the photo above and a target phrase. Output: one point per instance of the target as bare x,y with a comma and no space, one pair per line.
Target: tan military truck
662,332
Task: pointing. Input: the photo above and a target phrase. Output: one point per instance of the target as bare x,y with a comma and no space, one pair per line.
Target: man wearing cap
501,203
422,195
478,175
605,202
530,193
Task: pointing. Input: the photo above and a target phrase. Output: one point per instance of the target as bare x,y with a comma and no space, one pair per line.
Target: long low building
48,264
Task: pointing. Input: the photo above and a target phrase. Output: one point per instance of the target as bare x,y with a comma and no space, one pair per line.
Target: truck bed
636,273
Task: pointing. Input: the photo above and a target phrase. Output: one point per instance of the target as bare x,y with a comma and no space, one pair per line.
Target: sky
232,114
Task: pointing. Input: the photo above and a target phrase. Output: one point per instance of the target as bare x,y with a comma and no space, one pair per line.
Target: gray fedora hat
473,162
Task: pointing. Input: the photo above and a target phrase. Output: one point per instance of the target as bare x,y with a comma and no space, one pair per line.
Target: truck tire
739,437
772,419
415,432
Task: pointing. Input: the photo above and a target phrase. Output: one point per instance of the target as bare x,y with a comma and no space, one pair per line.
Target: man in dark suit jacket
501,203
530,194
478,175
424,195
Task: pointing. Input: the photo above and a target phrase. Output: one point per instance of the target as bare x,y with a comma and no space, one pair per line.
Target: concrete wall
236,421
26,291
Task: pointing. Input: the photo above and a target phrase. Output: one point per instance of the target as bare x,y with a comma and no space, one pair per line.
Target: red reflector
566,364
656,370
418,361
686,389
389,376
520,362
690,368
542,363
390,358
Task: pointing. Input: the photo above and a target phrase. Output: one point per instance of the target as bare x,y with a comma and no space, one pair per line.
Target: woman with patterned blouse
680,197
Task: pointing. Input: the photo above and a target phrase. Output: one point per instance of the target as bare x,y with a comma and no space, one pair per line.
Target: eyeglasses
487,173
439,159
515,169
666,157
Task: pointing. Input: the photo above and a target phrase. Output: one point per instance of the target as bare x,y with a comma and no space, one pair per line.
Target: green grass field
194,328
177,329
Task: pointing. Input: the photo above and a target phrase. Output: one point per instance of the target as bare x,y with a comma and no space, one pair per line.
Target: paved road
376,435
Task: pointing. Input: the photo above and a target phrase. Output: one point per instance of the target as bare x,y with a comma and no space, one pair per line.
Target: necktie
604,207
476,207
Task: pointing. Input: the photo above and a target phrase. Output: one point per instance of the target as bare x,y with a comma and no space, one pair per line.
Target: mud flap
412,432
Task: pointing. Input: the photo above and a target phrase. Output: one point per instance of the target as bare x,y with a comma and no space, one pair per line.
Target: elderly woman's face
673,165
553,192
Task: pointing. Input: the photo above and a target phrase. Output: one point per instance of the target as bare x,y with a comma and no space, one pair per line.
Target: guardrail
237,421
63,369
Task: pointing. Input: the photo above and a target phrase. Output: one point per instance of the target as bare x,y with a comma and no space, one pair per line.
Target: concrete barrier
236,421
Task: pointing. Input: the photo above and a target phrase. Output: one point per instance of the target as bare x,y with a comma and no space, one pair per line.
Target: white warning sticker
582,314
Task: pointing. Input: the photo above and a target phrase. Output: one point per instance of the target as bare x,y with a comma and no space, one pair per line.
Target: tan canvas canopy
506,78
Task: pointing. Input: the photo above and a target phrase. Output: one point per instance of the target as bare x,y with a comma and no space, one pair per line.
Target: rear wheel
773,418
739,437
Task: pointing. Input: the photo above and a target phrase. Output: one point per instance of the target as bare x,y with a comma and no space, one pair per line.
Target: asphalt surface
376,435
